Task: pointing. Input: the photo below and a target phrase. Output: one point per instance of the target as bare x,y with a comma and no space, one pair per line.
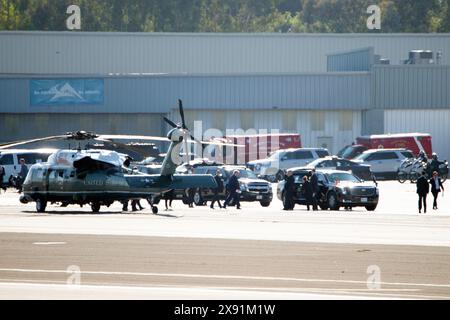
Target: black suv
336,189
252,188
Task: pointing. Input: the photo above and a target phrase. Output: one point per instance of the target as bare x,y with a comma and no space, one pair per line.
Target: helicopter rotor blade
170,122
224,144
180,106
19,143
131,137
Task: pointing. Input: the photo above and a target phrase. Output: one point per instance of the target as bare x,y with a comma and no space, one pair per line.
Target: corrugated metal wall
102,53
336,128
411,87
158,93
355,60
435,122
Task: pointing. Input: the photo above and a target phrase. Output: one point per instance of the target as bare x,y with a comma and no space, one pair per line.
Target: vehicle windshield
363,156
342,176
346,152
315,163
275,155
298,176
244,173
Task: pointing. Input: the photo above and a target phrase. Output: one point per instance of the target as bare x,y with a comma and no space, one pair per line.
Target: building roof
38,52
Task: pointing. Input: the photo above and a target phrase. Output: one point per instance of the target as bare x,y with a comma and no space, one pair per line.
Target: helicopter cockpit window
35,175
67,174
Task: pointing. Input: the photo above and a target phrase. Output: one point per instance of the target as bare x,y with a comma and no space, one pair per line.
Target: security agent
22,174
422,190
219,189
234,190
315,188
289,191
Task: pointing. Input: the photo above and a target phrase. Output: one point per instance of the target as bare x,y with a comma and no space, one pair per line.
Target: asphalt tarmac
254,253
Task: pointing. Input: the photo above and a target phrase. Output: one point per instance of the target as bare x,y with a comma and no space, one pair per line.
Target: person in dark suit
168,198
219,189
289,191
315,188
422,191
436,186
233,189
307,191
2,175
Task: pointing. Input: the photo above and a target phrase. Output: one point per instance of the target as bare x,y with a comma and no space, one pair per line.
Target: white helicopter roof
67,157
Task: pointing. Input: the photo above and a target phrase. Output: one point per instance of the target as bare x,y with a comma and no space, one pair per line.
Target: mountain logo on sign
65,91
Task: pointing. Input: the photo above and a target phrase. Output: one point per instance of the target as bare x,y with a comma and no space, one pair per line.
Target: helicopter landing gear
95,206
151,202
40,205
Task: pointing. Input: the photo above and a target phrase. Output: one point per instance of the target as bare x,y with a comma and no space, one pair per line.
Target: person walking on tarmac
289,190
234,190
436,186
22,174
168,198
422,191
315,188
219,189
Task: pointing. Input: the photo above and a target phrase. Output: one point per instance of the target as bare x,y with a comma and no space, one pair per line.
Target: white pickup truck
274,166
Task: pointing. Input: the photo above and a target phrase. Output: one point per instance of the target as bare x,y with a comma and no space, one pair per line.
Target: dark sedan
360,170
336,189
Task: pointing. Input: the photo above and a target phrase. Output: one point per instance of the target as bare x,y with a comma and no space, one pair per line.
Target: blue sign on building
58,92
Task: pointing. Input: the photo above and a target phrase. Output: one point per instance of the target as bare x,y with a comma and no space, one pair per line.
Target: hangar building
330,88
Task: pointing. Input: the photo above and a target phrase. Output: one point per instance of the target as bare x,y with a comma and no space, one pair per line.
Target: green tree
9,15
227,15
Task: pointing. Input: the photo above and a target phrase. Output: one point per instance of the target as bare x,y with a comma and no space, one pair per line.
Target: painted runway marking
49,243
229,277
286,292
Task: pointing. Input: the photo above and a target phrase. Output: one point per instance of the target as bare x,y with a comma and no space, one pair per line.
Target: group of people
310,189
233,188
423,188
19,179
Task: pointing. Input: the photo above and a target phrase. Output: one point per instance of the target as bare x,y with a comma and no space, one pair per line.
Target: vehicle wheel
332,202
401,177
280,176
95,207
264,204
414,177
40,205
198,200
155,210
371,207
443,177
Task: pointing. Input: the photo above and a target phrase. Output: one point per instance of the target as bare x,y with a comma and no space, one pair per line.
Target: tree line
340,16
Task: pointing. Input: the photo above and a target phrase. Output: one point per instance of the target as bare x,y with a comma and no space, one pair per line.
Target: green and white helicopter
100,177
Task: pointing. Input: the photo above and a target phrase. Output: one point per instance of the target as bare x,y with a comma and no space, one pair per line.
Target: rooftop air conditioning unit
420,57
